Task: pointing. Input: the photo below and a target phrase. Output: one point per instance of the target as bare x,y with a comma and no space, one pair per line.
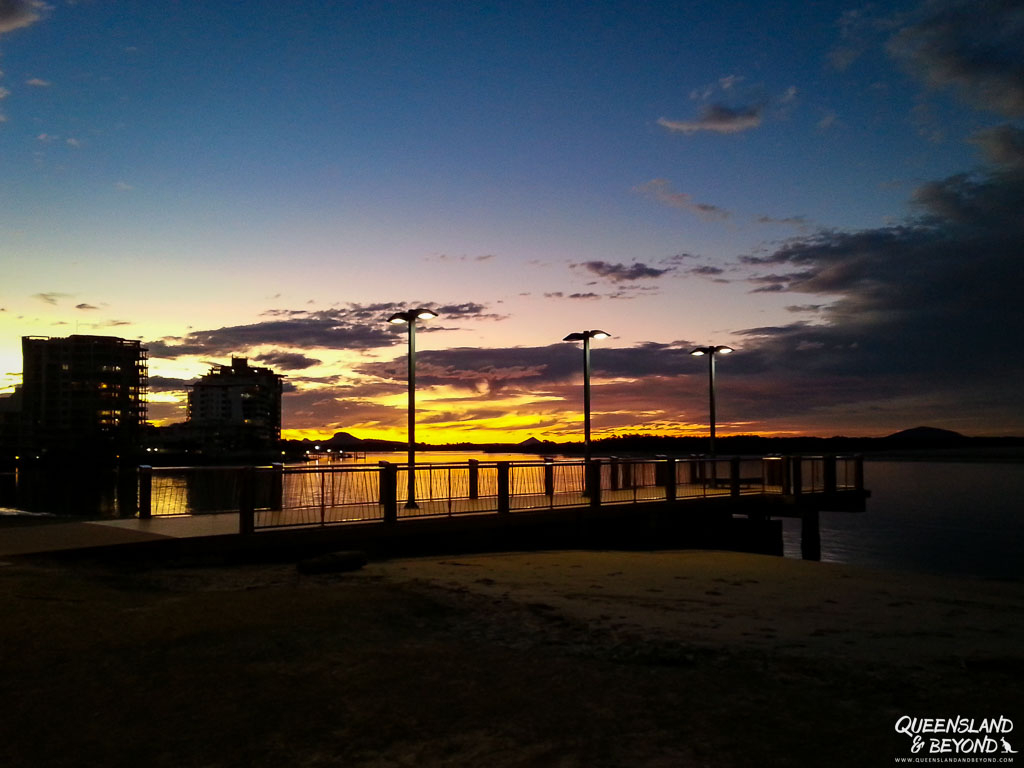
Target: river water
948,517
934,517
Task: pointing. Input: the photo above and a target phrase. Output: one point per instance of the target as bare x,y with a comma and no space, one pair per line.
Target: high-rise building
236,408
83,393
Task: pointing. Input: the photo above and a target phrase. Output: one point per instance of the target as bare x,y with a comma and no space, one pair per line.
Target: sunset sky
834,189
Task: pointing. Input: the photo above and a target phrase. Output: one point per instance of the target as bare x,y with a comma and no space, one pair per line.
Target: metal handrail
279,495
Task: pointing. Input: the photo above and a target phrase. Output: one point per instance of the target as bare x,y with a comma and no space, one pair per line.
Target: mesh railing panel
339,493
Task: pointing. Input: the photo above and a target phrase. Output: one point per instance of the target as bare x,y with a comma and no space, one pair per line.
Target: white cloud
38,82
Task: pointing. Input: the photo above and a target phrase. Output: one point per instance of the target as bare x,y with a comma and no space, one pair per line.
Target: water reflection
79,489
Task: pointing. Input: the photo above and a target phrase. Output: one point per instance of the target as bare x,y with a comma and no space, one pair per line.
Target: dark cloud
168,384
618,273
353,327
799,222
50,297
331,410
85,306
288,361
15,14
706,271
662,191
528,368
920,311
975,47
1002,146
574,296
467,311
301,332
717,118
446,257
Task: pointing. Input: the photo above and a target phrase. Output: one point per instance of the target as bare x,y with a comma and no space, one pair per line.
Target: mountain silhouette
926,434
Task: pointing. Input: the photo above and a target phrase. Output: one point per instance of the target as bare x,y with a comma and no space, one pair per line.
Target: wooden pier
729,503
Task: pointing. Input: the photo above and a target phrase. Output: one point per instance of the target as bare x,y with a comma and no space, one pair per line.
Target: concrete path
55,537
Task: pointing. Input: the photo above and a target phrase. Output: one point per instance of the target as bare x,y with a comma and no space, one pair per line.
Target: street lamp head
412,315
584,335
720,349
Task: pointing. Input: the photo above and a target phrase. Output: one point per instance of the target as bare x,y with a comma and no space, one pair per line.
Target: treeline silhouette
922,439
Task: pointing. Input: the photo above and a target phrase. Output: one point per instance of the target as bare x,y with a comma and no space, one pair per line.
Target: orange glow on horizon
479,435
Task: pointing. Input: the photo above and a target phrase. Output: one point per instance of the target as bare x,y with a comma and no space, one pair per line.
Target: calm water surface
938,517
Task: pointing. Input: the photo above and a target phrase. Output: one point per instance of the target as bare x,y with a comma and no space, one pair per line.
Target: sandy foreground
526,659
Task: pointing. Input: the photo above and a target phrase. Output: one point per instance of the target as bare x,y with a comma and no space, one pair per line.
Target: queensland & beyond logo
980,737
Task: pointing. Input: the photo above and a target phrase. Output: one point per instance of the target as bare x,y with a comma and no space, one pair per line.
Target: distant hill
926,434
346,441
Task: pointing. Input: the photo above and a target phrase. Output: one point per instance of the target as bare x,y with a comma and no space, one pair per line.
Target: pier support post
389,491
145,492
381,485
858,473
247,501
503,488
277,486
829,474
627,475
549,477
798,474
592,481
613,462
772,468
734,476
810,535
474,478
669,479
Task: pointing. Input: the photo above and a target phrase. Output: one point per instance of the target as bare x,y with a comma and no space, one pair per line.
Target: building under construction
82,395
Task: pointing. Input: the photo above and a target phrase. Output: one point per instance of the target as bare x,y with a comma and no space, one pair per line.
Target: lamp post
585,337
409,317
711,351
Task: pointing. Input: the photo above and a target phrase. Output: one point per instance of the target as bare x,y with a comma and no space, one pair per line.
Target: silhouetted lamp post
711,352
409,317
585,337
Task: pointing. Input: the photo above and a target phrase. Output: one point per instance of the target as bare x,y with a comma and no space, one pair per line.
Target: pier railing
278,496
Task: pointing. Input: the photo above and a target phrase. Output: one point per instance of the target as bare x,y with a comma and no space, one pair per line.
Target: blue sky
793,179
